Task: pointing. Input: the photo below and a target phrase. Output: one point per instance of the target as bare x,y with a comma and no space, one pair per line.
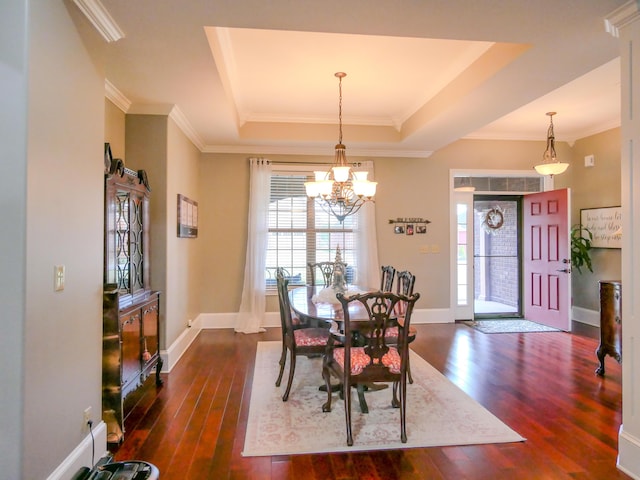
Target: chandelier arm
341,209
336,193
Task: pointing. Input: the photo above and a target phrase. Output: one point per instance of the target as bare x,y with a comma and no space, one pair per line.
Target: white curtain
252,307
367,240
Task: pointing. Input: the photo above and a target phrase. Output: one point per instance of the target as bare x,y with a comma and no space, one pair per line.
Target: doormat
508,326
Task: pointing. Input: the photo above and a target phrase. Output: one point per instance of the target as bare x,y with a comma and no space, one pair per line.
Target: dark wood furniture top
304,306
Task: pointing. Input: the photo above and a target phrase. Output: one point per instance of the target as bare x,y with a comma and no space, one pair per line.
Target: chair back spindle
386,282
326,269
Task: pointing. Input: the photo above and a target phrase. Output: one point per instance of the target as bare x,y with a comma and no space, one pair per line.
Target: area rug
438,413
509,326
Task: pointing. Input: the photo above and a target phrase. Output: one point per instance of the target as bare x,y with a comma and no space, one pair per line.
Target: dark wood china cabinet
131,309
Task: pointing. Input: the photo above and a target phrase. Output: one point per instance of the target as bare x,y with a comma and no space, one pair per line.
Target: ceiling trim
317,151
116,96
570,139
100,19
183,124
621,17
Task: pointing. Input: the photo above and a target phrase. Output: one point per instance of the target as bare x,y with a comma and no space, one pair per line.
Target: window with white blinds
300,231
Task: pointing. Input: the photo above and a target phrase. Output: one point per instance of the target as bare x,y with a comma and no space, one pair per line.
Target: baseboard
172,355
82,454
628,453
583,315
431,315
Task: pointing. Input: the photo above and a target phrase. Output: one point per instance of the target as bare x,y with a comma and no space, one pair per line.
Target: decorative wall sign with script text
605,224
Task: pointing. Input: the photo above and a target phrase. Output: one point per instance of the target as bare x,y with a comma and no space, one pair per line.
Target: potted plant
581,238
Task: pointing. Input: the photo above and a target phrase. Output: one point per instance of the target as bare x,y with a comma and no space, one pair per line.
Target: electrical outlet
86,416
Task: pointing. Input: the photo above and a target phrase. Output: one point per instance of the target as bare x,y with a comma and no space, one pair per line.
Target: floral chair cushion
359,359
393,332
311,337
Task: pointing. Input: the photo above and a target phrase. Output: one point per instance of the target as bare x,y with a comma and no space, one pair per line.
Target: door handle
565,270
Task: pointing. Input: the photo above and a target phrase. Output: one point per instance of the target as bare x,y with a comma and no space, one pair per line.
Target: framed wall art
187,217
605,224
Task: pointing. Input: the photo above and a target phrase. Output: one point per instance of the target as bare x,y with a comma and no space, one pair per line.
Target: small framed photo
399,229
410,229
421,229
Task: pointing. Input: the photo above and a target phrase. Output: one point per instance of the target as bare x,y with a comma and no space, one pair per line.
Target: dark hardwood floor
540,384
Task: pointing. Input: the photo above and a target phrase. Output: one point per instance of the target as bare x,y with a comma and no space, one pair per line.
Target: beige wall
183,262
146,149
593,187
407,187
64,221
114,121
156,144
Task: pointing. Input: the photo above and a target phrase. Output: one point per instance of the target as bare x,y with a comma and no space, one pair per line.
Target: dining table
308,303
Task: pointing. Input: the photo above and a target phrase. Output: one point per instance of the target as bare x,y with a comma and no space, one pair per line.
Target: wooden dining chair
386,281
406,281
297,338
326,268
366,357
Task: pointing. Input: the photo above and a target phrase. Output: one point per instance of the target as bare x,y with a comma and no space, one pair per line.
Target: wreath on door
493,220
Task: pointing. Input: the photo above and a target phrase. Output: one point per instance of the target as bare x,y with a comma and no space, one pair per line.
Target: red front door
547,267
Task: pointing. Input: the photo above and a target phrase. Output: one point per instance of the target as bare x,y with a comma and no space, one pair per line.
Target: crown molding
100,18
316,151
116,96
621,17
183,124
570,138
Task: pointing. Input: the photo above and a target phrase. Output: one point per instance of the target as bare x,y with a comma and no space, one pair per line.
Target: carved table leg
600,354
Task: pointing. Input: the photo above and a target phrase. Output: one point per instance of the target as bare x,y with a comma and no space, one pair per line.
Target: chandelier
341,191
550,164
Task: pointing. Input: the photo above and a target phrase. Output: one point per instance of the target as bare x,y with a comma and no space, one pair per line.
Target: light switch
58,278
424,248
435,248
589,161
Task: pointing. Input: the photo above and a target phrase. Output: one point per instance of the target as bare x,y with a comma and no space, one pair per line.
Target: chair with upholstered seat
326,268
366,358
297,339
406,281
386,281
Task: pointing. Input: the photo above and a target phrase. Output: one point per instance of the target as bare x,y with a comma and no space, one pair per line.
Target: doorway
497,256
478,261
